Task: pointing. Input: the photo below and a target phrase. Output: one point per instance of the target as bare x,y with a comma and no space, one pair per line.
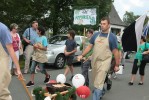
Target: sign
85,16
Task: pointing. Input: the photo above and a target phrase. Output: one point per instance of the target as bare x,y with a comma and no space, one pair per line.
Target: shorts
33,67
69,60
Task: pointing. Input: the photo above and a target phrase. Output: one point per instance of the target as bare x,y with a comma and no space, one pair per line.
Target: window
78,40
58,40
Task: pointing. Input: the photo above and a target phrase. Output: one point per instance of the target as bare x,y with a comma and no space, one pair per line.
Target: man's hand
20,76
67,53
145,52
35,46
28,41
79,58
116,68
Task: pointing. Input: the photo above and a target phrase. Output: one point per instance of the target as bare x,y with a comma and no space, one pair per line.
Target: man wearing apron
104,43
5,48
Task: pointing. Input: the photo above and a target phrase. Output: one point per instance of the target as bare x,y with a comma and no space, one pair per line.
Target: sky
139,7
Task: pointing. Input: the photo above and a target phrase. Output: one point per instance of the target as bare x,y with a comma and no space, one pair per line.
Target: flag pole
84,38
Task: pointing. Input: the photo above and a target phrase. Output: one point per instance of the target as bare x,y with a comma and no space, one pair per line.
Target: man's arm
25,39
41,48
87,49
73,51
14,58
69,53
117,58
25,35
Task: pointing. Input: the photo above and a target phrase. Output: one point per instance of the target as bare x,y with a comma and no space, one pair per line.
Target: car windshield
58,40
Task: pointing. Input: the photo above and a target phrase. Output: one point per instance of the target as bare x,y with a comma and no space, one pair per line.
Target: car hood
53,46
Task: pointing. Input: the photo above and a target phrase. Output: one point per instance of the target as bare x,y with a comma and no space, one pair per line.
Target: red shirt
15,43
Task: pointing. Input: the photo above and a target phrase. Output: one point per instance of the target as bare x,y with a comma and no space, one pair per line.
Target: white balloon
47,98
61,78
78,80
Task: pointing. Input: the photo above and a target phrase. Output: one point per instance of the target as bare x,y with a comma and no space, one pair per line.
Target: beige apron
101,61
39,55
5,76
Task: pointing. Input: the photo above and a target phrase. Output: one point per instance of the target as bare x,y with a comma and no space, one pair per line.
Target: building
117,25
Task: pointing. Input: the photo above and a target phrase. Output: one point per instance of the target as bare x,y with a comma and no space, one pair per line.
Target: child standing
86,63
69,51
39,57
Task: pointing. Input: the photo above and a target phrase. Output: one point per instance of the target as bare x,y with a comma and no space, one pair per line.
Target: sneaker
130,83
71,78
29,84
25,72
140,83
109,86
36,71
47,79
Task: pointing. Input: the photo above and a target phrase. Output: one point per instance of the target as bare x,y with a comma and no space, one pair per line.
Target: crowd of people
102,53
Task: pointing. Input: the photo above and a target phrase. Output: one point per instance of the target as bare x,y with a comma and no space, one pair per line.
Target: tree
129,17
59,12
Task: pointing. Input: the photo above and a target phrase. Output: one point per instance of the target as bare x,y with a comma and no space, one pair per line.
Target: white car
55,50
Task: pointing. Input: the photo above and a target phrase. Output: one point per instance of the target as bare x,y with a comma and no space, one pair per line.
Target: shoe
130,83
47,79
140,83
86,85
109,86
71,78
29,84
36,71
25,72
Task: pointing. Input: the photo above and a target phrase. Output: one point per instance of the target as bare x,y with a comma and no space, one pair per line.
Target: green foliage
67,95
129,17
39,94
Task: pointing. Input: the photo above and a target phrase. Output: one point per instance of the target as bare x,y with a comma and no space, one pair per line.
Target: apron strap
109,33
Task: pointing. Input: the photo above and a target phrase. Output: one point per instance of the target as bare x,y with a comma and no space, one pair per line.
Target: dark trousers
136,67
85,66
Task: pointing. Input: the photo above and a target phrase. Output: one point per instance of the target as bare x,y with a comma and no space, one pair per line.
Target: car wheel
60,61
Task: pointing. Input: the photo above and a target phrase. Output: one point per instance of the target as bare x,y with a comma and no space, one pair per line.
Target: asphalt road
120,89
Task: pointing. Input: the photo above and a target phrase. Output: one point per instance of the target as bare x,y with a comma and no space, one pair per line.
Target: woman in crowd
16,43
139,63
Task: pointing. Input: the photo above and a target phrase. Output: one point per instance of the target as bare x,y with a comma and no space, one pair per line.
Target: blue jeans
97,94
41,66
